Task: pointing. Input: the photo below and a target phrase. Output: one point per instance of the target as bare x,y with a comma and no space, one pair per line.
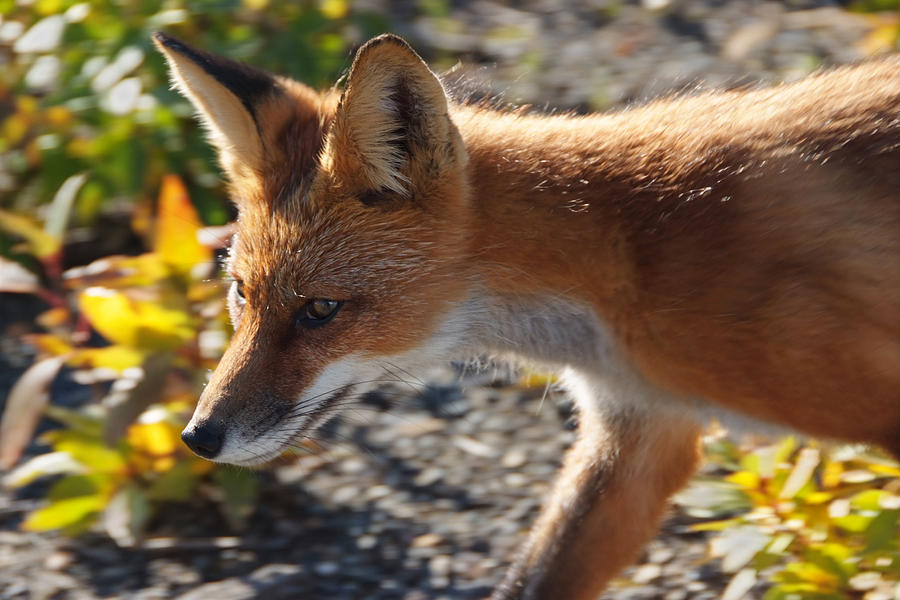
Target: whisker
402,370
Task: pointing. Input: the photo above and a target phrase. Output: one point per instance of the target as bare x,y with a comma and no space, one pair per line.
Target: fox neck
545,248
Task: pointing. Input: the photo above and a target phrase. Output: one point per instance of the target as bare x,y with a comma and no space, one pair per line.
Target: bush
84,92
165,324
816,523
89,125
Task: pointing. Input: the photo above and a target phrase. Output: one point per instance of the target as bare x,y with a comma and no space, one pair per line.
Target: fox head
348,260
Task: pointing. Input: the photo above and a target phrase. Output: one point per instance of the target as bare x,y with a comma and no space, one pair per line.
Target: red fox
725,252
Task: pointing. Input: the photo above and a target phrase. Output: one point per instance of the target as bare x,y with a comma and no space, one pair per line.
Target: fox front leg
605,505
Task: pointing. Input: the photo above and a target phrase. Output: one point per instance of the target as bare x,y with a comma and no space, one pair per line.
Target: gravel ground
426,500
431,498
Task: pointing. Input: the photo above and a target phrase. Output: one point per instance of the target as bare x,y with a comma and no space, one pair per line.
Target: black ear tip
164,40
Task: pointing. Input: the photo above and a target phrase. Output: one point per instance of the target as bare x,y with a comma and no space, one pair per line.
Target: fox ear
227,95
392,131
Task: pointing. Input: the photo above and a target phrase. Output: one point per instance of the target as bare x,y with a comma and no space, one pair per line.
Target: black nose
204,438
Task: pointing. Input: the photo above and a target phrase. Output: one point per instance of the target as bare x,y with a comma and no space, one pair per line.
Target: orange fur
734,251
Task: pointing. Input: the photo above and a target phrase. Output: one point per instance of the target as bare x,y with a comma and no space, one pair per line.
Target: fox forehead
313,249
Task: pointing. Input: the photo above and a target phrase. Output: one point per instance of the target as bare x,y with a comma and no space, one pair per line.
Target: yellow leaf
135,323
54,317
118,272
888,470
818,498
115,357
744,479
163,464
63,513
535,379
177,227
58,116
157,439
812,573
334,9
89,451
40,243
53,345
831,474
881,39
13,129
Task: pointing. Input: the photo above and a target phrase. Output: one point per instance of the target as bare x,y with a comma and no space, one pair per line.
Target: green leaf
868,500
835,559
240,490
74,486
853,523
41,244
84,424
177,484
881,534
64,513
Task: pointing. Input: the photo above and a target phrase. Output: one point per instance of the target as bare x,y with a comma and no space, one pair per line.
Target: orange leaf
177,227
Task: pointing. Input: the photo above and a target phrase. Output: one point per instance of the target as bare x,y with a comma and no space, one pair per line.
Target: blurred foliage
83,91
815,523
88,124
164,322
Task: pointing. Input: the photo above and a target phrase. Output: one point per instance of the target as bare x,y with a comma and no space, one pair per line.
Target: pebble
646,573
440,565
426,540
232,588
327,568
474,447
514,458
660,554
59,560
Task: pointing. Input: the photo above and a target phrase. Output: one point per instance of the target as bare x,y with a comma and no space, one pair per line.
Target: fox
716,253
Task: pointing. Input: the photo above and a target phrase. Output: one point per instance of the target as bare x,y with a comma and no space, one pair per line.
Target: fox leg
606,503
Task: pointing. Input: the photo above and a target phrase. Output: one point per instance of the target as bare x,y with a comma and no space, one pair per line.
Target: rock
427,540
440,565
233,588
646,573
59,560
514,458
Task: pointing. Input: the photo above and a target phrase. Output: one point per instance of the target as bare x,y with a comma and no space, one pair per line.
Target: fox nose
204,438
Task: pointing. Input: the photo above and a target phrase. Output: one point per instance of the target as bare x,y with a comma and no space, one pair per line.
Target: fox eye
317,312
239,288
